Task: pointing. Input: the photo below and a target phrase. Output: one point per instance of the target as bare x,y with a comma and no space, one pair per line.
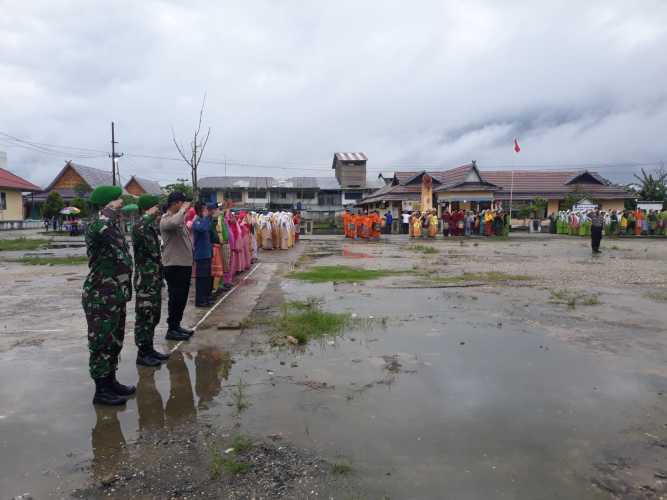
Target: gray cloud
289,82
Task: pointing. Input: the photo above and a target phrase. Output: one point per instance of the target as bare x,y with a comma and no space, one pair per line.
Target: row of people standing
224,245
458,223
278,230
616,222
365,226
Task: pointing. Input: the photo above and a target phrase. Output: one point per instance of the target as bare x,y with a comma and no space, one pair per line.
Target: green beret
128,209
147,201
105,194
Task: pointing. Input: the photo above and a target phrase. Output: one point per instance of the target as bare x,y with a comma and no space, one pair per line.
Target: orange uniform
363,225
376,225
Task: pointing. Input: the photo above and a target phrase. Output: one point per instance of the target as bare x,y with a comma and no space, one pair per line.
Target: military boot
177,335
145,358
120,389
159,355
105,395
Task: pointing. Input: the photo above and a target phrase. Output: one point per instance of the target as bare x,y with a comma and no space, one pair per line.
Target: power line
69,152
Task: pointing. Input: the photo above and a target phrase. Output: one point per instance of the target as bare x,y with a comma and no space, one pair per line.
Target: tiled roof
554,183
13,181
526,184
151,187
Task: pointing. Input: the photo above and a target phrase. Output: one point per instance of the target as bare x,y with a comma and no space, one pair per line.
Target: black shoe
147,359
105,395
186,331
158,355
176,335
120,389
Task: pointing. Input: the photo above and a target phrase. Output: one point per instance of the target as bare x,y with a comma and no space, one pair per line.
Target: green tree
181,185
53,205
82,205
129,199
652,186
81,190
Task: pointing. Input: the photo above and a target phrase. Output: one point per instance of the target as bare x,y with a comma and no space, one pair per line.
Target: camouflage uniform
147,280
106,291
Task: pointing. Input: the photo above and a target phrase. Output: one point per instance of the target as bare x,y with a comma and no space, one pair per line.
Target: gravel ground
187,462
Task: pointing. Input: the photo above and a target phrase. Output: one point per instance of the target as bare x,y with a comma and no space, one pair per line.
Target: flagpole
511,196
516,151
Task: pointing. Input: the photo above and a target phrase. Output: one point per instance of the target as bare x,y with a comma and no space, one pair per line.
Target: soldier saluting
147,281
106,291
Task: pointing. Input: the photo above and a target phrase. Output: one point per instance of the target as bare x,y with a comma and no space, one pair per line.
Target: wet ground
484,388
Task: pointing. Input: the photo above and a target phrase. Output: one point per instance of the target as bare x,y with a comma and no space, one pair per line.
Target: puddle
444,400
49,430
476,411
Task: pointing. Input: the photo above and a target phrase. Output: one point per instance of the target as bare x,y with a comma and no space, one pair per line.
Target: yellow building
12,188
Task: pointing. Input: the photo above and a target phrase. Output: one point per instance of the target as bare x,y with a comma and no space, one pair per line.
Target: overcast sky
412,84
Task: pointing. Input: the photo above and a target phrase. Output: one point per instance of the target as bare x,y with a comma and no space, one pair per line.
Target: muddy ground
539,374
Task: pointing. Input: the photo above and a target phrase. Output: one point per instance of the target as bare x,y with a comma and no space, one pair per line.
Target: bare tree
197,147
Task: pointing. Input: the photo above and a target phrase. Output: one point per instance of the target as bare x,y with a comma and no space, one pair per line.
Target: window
353,195
234,195
329,199
257,193
3,201
283,195
307,195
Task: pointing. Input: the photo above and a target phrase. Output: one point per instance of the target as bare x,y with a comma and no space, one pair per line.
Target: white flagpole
511,196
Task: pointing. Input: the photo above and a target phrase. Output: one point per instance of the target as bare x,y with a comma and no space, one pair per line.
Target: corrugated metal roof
94,177
9,180
351,156
324,183
151,187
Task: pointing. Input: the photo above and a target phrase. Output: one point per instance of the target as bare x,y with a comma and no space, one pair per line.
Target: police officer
106,291
147,280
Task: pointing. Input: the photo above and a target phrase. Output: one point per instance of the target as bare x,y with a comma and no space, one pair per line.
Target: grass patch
658,295
230,464
491,276
240,398
22,244
423,249
306,320
324,274
71,260
341,468
241,443
572,299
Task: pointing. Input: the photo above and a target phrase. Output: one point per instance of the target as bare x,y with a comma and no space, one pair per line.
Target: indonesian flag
516,145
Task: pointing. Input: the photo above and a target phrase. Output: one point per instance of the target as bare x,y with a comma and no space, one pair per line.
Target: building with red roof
466,187
12,188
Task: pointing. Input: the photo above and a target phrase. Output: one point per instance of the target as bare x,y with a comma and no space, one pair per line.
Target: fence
11,225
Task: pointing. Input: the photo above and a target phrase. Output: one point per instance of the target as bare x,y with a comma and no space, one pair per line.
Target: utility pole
114,156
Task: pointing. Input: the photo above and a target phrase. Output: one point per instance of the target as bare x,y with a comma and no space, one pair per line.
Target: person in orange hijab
375,221
363,225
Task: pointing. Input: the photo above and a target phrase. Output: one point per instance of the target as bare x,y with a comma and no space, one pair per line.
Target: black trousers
596,237
203,281
178,285
406,227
